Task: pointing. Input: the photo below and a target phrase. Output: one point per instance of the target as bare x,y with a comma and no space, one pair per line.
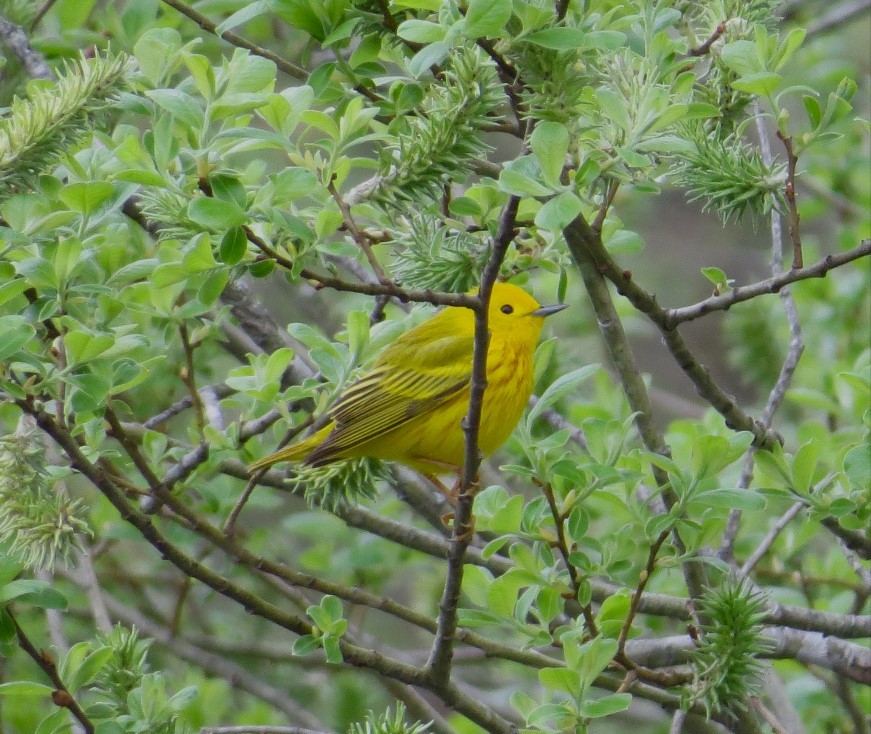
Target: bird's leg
452,494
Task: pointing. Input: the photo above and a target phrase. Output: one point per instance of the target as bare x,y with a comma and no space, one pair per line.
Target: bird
409,407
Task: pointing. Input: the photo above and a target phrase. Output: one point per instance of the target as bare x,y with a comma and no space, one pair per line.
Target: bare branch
672,317
61,696
15,39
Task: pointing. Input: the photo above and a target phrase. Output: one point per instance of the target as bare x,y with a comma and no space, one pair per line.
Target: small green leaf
30,591
15,332
857,466
605,706
740,499
86,197
741,57
305,645
181,106
24,688
215,215
234,245
762,83
332,650
429,55
561,387
521,177
559,211
718,278
83,346
550,144
486,18
421,31
560,679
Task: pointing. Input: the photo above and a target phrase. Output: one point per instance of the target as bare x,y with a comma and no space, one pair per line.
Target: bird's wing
398,389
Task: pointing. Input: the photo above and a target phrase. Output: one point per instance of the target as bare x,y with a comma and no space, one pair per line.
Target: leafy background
180,182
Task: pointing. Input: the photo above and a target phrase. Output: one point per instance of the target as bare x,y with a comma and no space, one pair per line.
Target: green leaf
741,57
486,18
83,346
234,245
804,466
86,197
507,518
89,668
10,290
559,211
230,189
718,278
561,387
15,332
857,466
521,177
249,11
181,106
740,499
429,55
606,706
24,688
30,591
550,144
332,650
214,214
421,31
762,83
558,39
305,645
169,274
560,679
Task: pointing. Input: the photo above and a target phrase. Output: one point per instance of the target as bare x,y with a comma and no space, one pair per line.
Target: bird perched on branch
410,406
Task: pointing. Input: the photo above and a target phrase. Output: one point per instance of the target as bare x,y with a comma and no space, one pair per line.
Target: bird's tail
297,452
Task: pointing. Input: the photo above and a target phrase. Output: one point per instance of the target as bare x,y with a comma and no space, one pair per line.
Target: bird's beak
548,310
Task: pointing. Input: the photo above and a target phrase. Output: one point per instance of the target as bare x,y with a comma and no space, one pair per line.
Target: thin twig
769,539
297,72
439,664
41,13
838,16
794,218
61,696
672,317
705,48
15,39
563,546
588,252
188,376
643,579
796,347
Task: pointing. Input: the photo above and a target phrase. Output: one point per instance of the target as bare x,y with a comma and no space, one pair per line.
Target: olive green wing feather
413,377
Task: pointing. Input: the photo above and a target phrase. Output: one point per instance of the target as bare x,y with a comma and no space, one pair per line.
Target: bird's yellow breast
435,442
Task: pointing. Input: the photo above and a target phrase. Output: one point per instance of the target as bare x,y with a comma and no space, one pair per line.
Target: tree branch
61,696
439,663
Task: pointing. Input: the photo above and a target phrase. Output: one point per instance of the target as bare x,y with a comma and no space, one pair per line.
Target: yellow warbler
409,407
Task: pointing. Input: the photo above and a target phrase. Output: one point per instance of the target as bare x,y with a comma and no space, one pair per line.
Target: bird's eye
506,309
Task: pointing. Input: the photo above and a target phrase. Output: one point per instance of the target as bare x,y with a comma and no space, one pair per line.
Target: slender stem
769,539
188,376
794,218
15,39
297,72
563,546
643,579
61,696
439,663
705,48
671,317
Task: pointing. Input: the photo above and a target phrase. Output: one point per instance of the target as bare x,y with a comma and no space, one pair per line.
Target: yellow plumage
409,407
